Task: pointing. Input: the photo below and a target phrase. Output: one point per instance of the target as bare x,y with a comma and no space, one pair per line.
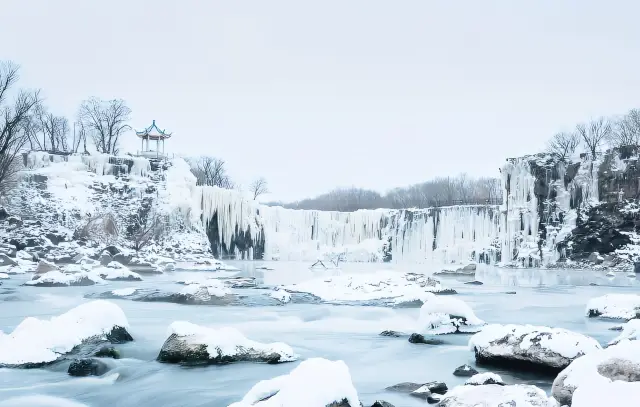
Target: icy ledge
445,315
314,382
193,344
494,395
35,342
530,347
392,286
614,306
599,372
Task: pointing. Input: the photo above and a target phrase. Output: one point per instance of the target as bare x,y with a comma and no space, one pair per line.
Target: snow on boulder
60,279
617,393
45,266
206,289
527,346
124,292
630,331
445,315
481,379
315,382
390,285
36,342
280,295
614,306
596,370
493,395
193,344
117,272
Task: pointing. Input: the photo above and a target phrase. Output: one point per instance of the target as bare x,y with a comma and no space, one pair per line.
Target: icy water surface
542,297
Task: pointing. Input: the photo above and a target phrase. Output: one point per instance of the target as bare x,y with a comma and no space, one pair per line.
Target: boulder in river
493,395
465,371
409,387
614,306
444,315
620,362
192,344
527,347
87,367
481,379
421,339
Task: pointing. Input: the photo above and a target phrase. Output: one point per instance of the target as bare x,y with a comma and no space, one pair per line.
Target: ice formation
41,341
315,382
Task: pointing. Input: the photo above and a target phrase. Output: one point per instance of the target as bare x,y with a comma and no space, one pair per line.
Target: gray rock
87,367
45,266
393,334
464,371
7,261
122,258
409,387
595,258
105,259
382,403
418,338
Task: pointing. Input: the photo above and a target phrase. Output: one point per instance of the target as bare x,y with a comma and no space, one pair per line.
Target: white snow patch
123,292
445,314
495,395
227,341
4,276
315,382
280,295
213,287
617,393
630,331
41,341
58,277
615,306
116,273
482,378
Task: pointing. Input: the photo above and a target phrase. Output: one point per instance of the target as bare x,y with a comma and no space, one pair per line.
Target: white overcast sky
318,94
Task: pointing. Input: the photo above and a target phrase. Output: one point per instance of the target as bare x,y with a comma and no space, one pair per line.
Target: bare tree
15,120
626,130
55,130
80,137
145,230
258,187
594,134
102,227
107,121
562,145
211,171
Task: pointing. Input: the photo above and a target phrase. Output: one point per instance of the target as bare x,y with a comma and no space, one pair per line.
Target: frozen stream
542,297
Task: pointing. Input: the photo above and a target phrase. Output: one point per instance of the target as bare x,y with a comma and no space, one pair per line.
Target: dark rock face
113,250
392,334
475,282
418,338
108,352
119,335
3,213
87,367
465,371
242,241
382,403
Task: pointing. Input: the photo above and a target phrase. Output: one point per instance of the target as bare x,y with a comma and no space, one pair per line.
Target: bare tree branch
594,134
626,130
258,187
107,121
562,145
211,171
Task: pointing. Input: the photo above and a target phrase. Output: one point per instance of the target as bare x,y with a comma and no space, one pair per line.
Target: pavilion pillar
157,146
142,147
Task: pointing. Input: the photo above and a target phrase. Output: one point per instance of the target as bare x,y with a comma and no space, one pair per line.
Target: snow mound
124,292
617,393
207,288
527,345
597,370
315,382
36,341
120,273
614,306
483,379
4,276
191,343
444,315
280,295
59,279
493,395
630,331
380,285
11,270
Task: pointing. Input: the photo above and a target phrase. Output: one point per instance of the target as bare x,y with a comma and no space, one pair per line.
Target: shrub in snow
60,279
630,331
615,306
444,315
35,342
192,344
527,346
596,370
493,395
481,379
314,382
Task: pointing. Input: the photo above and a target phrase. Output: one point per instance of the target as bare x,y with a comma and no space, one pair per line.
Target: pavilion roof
153,131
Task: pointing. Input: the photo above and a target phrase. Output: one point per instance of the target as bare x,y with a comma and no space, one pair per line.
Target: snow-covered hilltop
545,215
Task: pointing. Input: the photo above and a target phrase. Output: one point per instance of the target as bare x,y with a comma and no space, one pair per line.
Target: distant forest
442,191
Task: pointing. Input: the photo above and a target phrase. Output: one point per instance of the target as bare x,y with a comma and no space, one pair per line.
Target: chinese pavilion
153,133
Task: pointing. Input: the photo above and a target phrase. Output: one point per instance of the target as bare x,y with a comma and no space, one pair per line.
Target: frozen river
541,297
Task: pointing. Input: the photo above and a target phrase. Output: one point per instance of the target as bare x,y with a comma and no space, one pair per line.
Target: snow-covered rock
527,346
124,292
35,342
281,295
315,382
390,285
60,279
45,266
193,344
117,272
465,371
11,270
206,289
445,314
481,379
617,393
597,370
630,331
614,306
493,395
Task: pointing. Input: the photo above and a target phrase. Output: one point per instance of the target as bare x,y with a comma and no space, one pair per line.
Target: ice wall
542,199
100,164
241,228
